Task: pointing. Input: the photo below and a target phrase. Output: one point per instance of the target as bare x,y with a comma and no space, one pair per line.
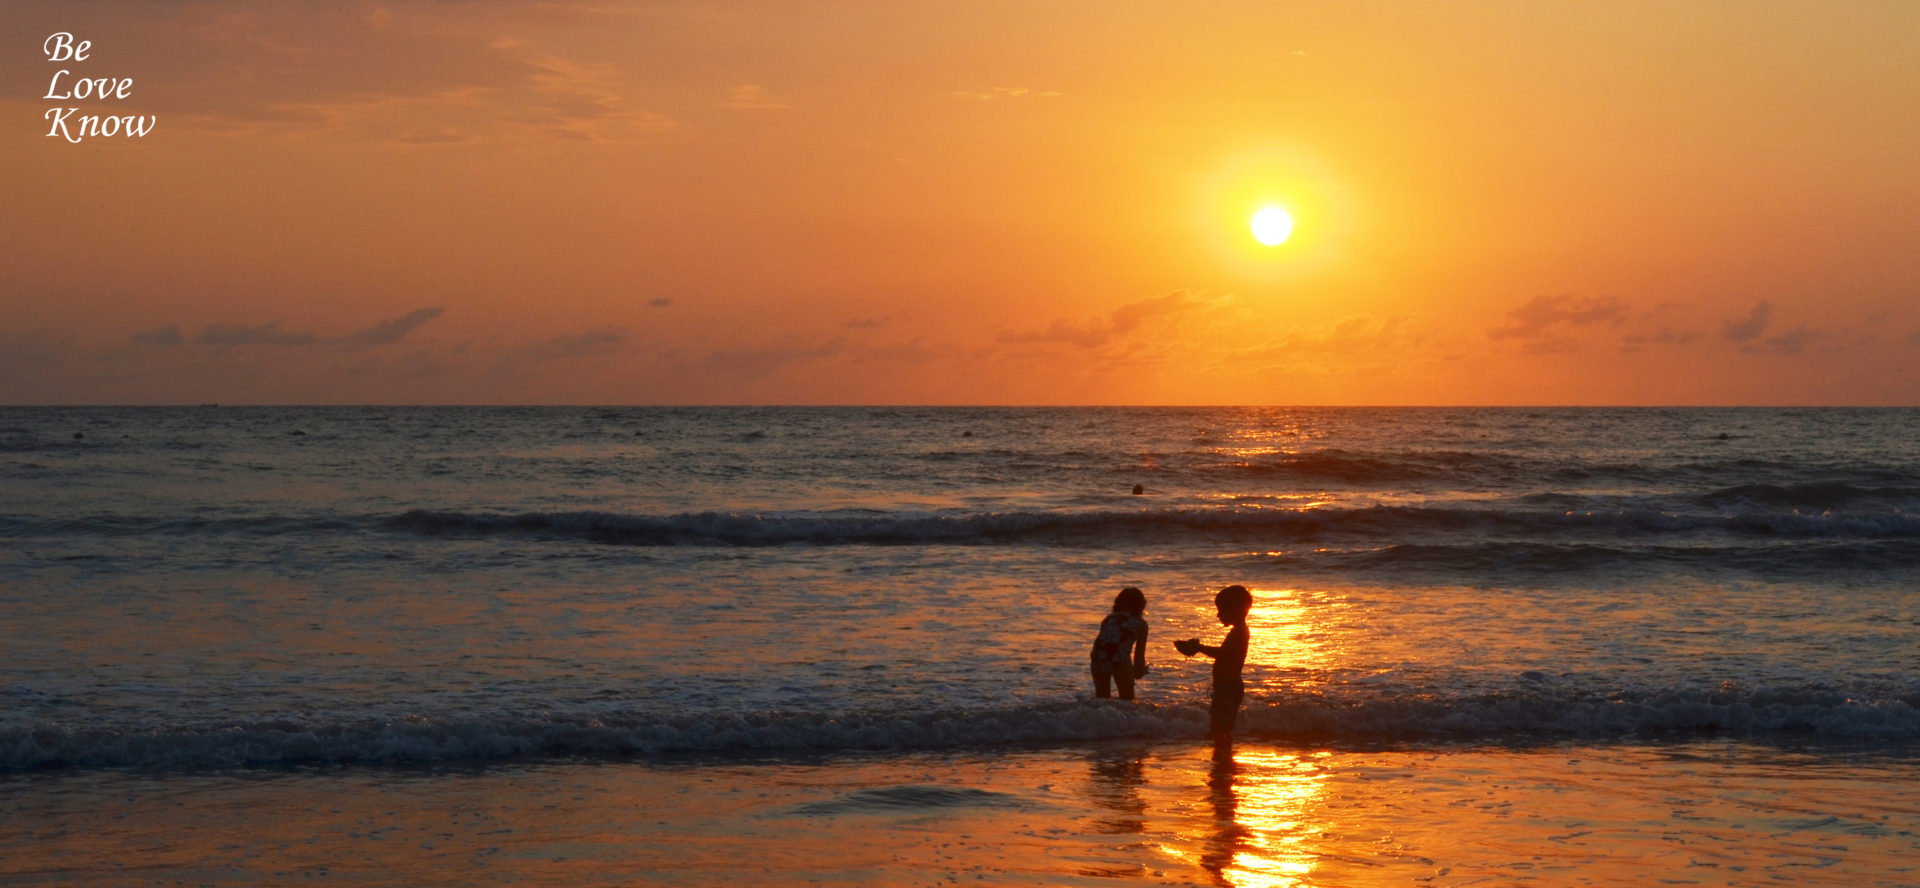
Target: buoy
1139,489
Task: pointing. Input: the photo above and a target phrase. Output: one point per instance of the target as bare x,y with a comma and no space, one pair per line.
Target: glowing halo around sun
1272,226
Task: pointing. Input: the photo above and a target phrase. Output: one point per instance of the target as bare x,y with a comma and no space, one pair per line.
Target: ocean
388,645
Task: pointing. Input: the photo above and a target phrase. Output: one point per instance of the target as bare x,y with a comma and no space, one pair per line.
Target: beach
1691,813
848,646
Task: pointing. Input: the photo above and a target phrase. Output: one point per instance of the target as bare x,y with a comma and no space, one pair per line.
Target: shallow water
1602,645
223,586
1694,813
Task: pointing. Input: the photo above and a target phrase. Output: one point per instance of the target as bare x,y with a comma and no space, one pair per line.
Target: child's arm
1235,644
1191,646
1140,652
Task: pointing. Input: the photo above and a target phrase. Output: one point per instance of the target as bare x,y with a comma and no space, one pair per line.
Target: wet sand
1699,813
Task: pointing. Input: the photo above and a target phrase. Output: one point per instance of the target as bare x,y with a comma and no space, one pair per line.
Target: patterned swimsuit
1113,647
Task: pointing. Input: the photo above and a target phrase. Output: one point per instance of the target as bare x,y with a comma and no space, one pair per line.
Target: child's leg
1123,676
1224,713
1101,679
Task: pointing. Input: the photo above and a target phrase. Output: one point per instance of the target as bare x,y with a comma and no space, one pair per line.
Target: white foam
1519,717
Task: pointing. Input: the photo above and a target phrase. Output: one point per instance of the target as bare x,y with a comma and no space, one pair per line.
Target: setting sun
1272,226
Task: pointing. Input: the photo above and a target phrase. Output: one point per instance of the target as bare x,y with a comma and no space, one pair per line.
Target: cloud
168,335
1792,342
751,97
1663,336
579,101
1749,328
882,321
1750,334
659,302
764,361
1098,331
1345,336
1006,92
1362,345
1544,314
386,332
441,136
914,351
230,335
599,341
391,331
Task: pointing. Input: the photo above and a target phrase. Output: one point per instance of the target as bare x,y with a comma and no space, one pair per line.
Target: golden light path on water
1272,799
1287,634
1266,802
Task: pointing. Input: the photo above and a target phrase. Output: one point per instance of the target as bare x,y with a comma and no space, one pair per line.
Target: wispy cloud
1005,92
752,97
1098,331
1792,342
1749,328
768,359
390,331
1544,316
1350,335
168,335
1663,336
224,336
1356,346
232,335
598,341
582,101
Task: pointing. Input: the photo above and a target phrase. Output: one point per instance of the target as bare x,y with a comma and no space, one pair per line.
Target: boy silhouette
1233,603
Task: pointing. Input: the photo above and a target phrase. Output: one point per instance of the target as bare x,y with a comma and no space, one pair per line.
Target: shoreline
1727,812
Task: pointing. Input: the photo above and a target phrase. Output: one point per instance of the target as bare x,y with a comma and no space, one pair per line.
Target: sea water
344,596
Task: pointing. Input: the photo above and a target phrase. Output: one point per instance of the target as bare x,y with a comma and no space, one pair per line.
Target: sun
1272,226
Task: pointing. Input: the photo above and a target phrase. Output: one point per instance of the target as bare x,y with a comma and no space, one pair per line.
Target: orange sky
967,202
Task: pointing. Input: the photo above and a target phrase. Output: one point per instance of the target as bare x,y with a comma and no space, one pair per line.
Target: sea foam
1518,717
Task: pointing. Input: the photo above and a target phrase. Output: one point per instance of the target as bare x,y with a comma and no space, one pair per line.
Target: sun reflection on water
1288,633
1265,812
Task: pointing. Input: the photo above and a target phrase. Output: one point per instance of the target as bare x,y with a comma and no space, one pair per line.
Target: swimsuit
1113,647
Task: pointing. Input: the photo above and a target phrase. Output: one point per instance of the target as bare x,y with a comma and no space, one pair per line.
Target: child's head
1233,603
1131,600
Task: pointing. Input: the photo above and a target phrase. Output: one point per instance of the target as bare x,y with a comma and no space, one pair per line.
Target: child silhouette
1232,603
1120,650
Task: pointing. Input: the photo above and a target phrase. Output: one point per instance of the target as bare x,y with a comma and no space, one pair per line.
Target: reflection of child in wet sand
1120,650
1233,603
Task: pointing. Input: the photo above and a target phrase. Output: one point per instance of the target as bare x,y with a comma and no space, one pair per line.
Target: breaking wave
742,529
1526,714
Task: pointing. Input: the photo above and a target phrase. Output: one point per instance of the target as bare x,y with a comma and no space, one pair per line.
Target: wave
1841,482
1819,496
1367,469
1066,527
1538,520
1521,716
1815,558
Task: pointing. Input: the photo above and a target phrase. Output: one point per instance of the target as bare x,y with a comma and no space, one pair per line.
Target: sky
963,202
